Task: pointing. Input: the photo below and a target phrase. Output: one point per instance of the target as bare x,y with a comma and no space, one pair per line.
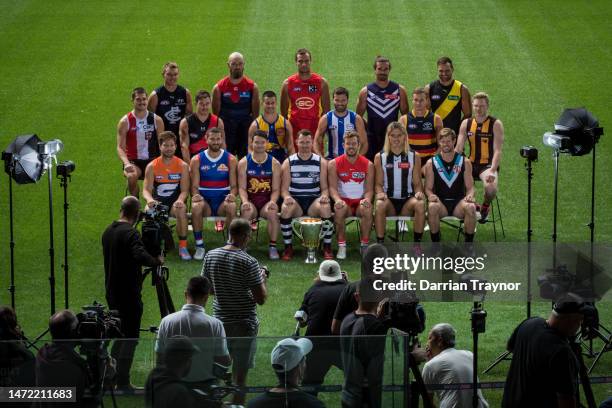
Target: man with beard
259,187
137,139
304,191
213,186
336,123
277,128
167,182
193,128
398,183
383,100
171,101
351,186
236,101
423,127
448,97
449,187
304,95
485,135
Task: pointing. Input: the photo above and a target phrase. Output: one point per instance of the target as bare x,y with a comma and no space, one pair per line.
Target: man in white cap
319,305
289,362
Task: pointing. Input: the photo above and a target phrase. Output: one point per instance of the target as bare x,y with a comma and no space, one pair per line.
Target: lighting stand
48,163
11,289
478,318
64,179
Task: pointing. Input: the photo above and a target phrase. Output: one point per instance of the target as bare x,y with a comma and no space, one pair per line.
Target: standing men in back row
384,100
171,101
304,96
449,97
236,101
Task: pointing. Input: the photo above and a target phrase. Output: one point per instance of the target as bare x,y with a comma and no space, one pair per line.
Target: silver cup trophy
310,231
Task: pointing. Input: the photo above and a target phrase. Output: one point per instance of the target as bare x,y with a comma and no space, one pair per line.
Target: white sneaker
341,254
199,253
273,253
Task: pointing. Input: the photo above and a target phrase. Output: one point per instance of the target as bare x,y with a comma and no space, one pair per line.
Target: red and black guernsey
236,99
197,132
422,134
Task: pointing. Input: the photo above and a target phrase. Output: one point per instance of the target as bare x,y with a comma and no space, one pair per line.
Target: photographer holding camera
124,256
59,365
166,181
239,285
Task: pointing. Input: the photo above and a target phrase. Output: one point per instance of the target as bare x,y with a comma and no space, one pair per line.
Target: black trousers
130,313
325,354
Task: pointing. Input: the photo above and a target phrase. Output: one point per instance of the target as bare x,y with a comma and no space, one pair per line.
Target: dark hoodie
59,365
165,389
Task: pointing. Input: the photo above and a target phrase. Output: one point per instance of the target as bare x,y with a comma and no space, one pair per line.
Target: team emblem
304,103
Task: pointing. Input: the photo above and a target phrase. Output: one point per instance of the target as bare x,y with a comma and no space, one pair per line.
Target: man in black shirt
319,305
124,255
363,358
544,369
171,101
288,362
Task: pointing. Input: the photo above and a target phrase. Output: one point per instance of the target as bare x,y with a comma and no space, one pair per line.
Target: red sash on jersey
351,176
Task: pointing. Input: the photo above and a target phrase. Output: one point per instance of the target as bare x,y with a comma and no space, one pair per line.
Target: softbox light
22,161
581,127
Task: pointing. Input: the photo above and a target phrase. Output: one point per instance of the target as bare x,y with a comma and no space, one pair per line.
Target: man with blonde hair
398,185
485,135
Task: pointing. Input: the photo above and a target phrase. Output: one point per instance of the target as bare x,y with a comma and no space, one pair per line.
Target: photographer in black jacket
124,256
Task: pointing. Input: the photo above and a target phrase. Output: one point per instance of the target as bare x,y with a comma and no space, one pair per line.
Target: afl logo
304,103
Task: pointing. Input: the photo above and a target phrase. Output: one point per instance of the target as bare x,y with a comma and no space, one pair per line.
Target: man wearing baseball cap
544,369
319,305
288,361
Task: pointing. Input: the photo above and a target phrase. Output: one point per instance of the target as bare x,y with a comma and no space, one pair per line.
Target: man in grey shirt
447,365
205,331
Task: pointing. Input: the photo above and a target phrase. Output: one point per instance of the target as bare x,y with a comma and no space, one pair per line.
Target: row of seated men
307,184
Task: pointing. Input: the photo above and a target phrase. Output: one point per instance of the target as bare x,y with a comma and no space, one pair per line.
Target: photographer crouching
124,256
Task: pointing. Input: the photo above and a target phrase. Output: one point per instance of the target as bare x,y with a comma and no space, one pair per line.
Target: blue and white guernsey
305,176
337,126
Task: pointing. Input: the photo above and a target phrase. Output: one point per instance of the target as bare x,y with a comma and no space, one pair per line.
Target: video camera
404,314
155,229
97,323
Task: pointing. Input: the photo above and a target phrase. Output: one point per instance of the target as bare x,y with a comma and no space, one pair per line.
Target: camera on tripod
404,315
155,229
65,168
97,323
529,152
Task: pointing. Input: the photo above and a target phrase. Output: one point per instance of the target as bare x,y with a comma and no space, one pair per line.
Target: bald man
236,101
124,255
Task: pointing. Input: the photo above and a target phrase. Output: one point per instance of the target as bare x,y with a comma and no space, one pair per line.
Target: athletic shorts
398,204
353,204
214,200
142,165
305,203
259,202
298,124
450,204
241,343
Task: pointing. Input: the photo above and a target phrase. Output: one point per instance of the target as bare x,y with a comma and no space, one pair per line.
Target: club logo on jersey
166,190
222,167
304,103
358,175
312,88
391,96
173,115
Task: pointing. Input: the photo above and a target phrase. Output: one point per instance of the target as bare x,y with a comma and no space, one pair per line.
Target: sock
327,236
435,236
182,242
197,236
286,231
341,243
272,244
469,237
364,241
484,206
380,240
418,236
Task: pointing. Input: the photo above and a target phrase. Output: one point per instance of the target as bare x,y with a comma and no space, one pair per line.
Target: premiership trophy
310,231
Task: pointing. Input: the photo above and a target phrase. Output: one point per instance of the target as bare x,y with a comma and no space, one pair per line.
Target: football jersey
171,107
197,132
167,180
141,139
276,131
480,137
259,180
422,134
214,174
235,98
305,96
397,174
351,176
337,126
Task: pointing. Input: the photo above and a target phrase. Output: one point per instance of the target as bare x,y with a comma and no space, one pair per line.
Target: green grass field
69,68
